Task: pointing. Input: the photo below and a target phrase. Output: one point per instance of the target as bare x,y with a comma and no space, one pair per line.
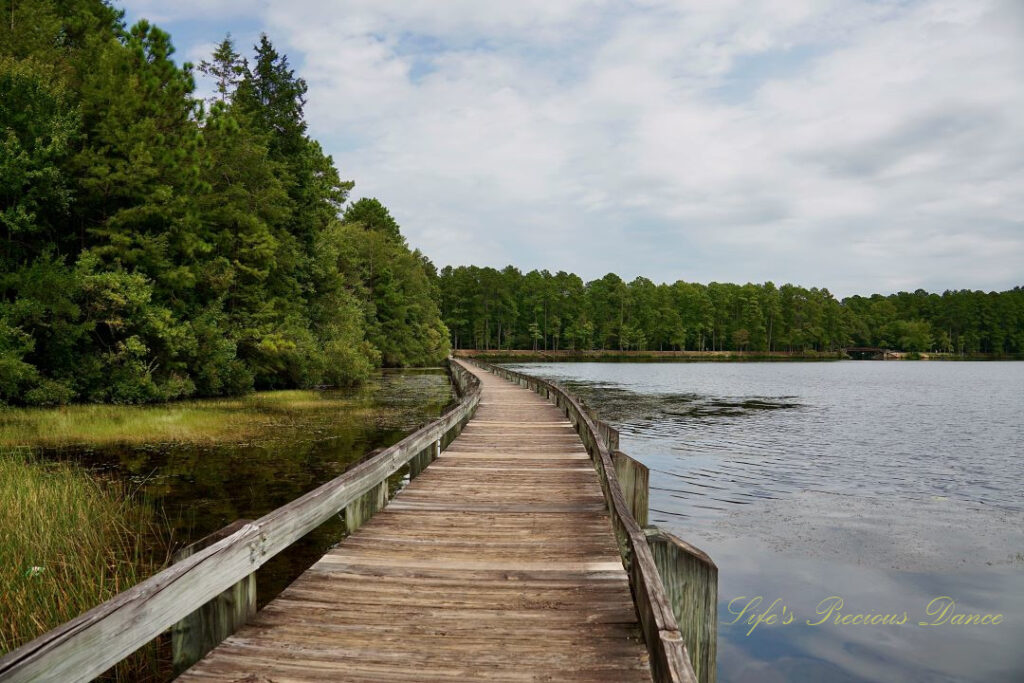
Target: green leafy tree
153,250
610,314
38,126
15,373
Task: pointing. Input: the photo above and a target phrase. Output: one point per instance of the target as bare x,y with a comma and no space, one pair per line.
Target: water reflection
888,484
202,488
855,652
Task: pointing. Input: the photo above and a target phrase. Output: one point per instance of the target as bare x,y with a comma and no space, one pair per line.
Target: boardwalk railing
674,585
85,647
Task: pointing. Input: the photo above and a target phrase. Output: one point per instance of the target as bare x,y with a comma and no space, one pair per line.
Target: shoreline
612,356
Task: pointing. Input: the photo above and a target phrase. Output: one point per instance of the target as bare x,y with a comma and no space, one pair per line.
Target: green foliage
226,67
38,124
275,97
489,309
154,250
28,28
15,373
393,289
49,392
372,215
911,335
139,172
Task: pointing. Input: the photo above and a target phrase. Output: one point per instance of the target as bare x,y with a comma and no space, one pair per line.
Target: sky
859,145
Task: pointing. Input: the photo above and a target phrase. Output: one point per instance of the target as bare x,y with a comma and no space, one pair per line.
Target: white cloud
161,11
855,145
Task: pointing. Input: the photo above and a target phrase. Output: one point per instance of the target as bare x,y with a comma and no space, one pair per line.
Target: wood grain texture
204,629
497,562
633,477
83,648
690,578
669,658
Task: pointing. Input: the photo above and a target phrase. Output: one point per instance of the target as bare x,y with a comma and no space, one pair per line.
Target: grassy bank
515,355
75,531
202,422
611,356
67,543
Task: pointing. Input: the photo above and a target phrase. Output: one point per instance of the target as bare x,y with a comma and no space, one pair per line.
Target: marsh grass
68,542
206,421
70,538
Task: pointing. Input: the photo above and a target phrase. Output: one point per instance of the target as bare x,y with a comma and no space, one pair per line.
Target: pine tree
226,67
140,169
372,215
275,97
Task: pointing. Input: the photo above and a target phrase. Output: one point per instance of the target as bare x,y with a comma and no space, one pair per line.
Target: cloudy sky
862,146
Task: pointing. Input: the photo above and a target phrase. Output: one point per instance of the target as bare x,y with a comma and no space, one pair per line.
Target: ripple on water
888,483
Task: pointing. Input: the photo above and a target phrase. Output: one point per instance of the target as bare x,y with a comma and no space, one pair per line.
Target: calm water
886,484
200,489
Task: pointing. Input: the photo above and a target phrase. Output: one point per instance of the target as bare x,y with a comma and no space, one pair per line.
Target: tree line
486,308
157,246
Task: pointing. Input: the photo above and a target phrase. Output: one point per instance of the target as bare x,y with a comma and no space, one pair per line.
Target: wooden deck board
498,562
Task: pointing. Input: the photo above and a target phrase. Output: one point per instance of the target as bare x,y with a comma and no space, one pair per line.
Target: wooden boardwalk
498,562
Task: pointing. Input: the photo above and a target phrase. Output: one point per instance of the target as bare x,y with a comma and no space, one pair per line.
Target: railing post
633,477
609,435
364,507
420,461
208,626
220,575
690,578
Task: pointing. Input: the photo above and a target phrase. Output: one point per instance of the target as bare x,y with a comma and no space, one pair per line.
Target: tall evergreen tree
226,67
152,250
275,97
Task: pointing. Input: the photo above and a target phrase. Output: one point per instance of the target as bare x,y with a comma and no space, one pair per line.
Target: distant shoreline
608,355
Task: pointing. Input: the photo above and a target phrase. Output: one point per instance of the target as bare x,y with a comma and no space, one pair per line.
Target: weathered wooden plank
86,646
205,628
496,563
690,578
633,477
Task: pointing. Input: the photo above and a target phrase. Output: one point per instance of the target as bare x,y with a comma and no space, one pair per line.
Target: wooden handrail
670,661
83,648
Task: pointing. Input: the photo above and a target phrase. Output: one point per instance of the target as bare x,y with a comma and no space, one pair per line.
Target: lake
895,487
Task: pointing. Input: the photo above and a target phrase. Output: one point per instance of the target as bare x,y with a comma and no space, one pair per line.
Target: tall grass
204,421
67,543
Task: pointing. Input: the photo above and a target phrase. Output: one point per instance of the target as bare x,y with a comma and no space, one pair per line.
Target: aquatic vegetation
619,404
68,541
96,497
204,421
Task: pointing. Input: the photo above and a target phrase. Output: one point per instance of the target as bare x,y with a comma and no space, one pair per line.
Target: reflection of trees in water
202,488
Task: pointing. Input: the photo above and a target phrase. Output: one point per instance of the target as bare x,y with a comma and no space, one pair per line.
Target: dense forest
157,246
490,309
